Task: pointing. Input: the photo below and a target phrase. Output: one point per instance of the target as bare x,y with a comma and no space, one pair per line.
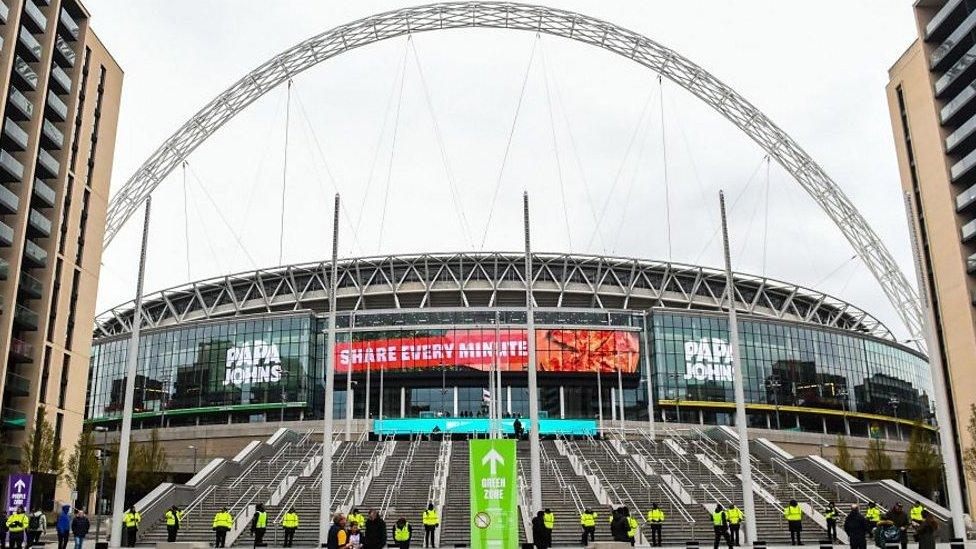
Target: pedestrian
375,530
517,427
3,530
794,520
915,513
588,524
16,524
735,517
873,515
222,523
174,519
337,538
830,515
540,534
290,523
357,518
619,525
355,537
656,517
259,525
899,518
36,526
79,528
131,520
402,531
720,522
63,526
549,520
927,530
857,528
632,526
431,521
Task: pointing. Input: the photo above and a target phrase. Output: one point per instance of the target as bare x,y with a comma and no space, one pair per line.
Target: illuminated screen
556,351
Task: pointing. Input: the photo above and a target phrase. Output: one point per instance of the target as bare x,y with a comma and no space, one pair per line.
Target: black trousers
589,533
171,531
722,532
289,536
130,536
734,529
220,537
796,532
860,543
656,535
403,544
831,530
259,537
429,535
16,540
63,539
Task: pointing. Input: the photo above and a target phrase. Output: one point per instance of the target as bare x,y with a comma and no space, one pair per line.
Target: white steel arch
566,24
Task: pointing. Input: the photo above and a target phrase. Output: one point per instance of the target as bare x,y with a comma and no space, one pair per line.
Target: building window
65,376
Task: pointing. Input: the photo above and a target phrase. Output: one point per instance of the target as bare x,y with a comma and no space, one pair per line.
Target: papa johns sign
253,362
708,359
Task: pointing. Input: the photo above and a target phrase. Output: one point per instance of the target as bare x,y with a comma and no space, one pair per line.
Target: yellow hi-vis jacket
223,519
916,513
655,516
549,520
873,514
588,519
172,519
131,520
401,534
793,513
734,516
430,518
358,519
632,523
289,520
261,520
718,519
17,523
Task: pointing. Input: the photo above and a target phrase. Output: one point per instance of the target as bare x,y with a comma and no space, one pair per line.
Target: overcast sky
593,166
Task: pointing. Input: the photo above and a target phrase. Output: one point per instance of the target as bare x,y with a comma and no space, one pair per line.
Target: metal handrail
676,503
288,468
197,501
248,494
244,474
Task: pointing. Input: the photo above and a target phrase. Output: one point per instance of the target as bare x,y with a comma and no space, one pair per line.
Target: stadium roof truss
503,15
464,280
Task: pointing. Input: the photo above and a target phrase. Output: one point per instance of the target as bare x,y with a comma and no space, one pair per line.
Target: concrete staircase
403,487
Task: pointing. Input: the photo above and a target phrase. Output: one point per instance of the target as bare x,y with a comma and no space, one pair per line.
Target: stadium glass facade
435,364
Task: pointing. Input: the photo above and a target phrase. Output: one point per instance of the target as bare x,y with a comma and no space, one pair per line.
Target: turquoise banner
426,426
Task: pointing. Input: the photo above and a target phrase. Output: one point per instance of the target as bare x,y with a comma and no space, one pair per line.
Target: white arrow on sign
20,485
493,459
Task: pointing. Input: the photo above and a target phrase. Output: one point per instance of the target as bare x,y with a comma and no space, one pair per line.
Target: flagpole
535,466
325,502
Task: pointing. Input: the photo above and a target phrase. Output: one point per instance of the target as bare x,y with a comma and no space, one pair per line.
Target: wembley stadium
421,333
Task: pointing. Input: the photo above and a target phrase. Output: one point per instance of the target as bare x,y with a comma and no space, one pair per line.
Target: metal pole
620,399
492,394
366,411
947,435
101,481
599,402
534,465
132,363
352,319
381,392
650,384
325,503
740,401
498,381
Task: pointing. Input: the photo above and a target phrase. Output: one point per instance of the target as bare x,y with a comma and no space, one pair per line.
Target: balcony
33,18
943,20
68,25
23,109
56,107
34,254
10,168
6,234
953,80
38,225
30,286
16,385
25,318
14,137
947,52
60,80
49,167
25,74
52,136
9,202
968,230
21,351
65,53
4,12
971,264
11,419
28,45
45,194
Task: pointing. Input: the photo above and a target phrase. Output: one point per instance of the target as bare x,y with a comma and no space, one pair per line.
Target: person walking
259,525
656,517
794,520
720,522
549,520
375,530
873,515
588,525
541,536
632,527
79,528
857,528
174,518
927,530
735,517
915,513
619,525
131,520
830,515
402,531
336,537
899,518
63,526
16,524
222,523
289,521
36,526
431,522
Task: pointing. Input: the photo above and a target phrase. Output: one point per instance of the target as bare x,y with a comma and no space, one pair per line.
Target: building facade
417,336
62,91
932,104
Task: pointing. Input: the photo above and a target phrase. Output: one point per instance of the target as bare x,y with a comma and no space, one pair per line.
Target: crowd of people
19,529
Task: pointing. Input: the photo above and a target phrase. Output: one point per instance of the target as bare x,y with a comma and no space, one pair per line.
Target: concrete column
613,404
823,420
403,402
562,403
508,390
455,401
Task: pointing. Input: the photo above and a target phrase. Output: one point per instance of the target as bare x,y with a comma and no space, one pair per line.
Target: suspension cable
186,226
220,214
664,163
508,143
448,172
632,183
676,120
765,218
389,167
555,146
284,177
847,261
206,234
735,202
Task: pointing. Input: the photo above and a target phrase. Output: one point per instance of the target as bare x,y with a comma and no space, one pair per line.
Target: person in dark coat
927,531
79,528
63,526
541,537
899,518
336,537
619,526
857,528
375,531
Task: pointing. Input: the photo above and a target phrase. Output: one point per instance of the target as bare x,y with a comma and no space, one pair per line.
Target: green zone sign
494,494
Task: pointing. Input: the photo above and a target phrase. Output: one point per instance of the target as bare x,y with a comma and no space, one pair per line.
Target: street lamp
677,393
194,448
842,394
893,403
101,480
774,384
